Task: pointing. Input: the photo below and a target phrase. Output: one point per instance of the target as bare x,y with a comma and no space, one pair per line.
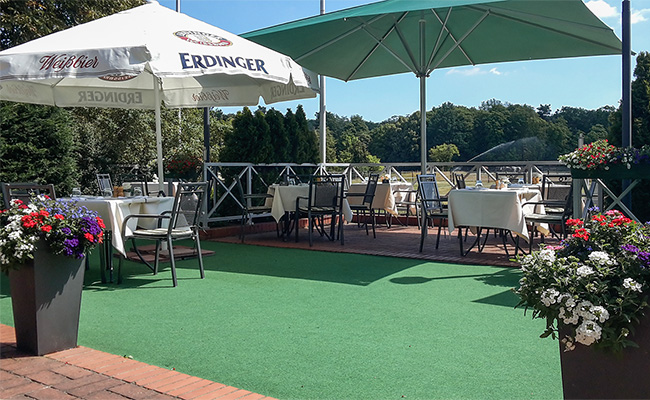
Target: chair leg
157,258
119,270
439,230
373,217
170,245
241,231
197,240
423,232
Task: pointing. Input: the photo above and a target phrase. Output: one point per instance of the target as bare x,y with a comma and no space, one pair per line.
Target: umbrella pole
423,124
159,151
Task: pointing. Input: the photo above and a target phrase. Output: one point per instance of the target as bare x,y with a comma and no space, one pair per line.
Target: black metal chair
405,202
365,208
459,181
556,212
25,192
253,205
182,223
326,195
104,183
432,206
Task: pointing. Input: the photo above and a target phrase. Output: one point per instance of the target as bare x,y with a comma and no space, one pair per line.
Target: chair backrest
513,177
429,193
136,180
556,186
104,182
25,192
371,188
188,204
459,179
326,191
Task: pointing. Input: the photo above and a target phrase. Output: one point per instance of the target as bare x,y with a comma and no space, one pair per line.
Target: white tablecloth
491,208
284,200
114,210
384,199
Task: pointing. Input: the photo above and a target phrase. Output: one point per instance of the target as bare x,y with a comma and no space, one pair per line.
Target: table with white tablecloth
284,200
492,208
386,195
115,210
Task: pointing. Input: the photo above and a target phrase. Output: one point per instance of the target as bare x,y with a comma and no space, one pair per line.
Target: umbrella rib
380,42
502,13
336,39
451,35
408,48
476,24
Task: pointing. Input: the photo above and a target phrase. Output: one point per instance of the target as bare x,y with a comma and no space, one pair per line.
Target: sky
585,82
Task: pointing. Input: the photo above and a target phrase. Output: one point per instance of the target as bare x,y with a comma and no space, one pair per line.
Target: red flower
100,222
89,237
59,216
574,222
46,228
28,221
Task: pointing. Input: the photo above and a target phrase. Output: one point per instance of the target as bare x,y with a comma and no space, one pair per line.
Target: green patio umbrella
419,36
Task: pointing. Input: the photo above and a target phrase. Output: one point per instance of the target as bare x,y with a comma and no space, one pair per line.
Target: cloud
472,71
640,15
602,9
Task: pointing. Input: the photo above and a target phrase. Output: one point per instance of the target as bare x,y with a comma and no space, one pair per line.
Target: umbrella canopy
140,57
419,36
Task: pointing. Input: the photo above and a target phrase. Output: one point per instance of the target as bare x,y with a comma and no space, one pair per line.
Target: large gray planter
46,300
591,374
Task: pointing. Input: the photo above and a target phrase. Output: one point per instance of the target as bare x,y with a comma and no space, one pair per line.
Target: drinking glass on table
137,191
107,192
520,181
479,183
76,192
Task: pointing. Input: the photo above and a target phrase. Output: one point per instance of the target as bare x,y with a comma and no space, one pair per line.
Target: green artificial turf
295,324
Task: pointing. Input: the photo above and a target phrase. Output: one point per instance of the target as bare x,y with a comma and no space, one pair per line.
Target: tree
307,151
22,21
37,146
278,135
443,153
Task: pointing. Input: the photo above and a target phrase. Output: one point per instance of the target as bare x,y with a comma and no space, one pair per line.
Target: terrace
371,319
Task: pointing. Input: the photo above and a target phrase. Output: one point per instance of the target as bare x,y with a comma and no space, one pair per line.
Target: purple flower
66,231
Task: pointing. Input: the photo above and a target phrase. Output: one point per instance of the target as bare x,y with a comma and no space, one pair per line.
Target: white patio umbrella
140,57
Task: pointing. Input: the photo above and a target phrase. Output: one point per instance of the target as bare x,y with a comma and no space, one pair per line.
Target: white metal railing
225,205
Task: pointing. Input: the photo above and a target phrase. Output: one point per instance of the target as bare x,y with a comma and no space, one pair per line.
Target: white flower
601,258
548,256
549,296
588,333
584,271
584,310
568,316
631,284
601,313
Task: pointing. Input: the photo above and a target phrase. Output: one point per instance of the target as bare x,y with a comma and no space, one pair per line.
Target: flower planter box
617,171
588,373
46,301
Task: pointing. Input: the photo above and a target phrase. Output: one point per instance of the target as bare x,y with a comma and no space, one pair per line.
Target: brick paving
396,241
84,373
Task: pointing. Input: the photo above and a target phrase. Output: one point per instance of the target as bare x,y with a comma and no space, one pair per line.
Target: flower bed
65,227
593,288
600,156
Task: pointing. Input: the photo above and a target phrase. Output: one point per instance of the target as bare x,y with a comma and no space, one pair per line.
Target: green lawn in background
295,324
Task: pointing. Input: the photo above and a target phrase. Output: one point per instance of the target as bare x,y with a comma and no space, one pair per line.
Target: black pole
206,134
626,106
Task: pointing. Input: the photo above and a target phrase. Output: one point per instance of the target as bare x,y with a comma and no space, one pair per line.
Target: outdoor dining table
387,195
114,210
283,202
481,208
